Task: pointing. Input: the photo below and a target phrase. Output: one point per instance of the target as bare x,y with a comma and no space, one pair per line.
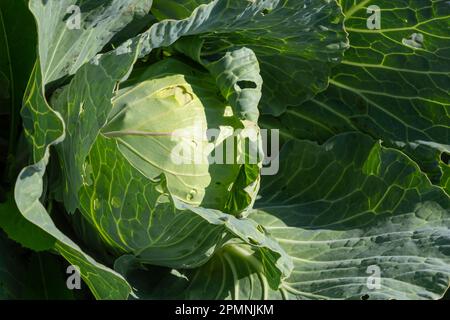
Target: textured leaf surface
386,86
42,125
295,41
84,106
238,77
236,272
44,128
104,283
352,205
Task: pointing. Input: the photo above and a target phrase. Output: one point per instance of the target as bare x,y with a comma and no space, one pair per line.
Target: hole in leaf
261,228
365,297
266,11
247,84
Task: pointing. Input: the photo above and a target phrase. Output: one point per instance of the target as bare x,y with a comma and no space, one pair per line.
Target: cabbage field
224,149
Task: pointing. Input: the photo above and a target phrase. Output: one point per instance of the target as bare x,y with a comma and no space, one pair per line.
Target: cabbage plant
139,138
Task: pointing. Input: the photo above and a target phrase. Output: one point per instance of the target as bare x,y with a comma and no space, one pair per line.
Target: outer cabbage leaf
44,127
388,85
350,206
71,32
295,41
343,211
103,282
